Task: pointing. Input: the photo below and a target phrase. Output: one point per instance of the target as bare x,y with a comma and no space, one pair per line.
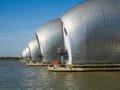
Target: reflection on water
16,76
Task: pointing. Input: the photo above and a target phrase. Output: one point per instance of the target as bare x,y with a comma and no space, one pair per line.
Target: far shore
10,58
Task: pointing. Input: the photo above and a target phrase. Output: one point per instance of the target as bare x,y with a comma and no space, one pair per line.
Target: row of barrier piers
75,68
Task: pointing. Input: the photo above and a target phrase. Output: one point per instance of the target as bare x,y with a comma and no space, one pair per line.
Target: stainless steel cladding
92,32
24,55
27,51
50,39
34,50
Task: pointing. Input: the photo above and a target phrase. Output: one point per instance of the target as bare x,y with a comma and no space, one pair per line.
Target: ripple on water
16,76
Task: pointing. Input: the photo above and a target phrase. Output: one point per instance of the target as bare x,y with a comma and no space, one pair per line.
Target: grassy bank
9,58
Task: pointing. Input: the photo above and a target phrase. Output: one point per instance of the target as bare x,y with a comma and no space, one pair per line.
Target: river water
14,75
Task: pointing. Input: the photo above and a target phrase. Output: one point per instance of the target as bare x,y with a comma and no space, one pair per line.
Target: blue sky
19,19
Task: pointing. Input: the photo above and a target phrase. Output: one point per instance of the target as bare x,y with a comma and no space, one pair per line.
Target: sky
19,19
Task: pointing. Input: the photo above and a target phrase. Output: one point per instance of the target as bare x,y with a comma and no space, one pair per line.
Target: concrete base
31,63
84,68
23,61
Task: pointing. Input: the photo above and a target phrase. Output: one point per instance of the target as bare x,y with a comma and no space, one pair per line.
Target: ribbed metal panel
23,54
93,32
28,55
34,50
50,38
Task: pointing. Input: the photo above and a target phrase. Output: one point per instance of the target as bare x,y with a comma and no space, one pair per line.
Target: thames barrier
85,38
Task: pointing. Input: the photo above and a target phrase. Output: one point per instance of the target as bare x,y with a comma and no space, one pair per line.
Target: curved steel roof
23,54
92,32
34,50
28,55
50,38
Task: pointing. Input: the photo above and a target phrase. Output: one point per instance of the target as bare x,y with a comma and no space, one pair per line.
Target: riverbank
10,58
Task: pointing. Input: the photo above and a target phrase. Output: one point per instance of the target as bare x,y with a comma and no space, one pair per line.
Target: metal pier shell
50,38
23,54
34,50
27,52
92,32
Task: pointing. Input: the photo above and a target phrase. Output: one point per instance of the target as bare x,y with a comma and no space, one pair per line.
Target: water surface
16,76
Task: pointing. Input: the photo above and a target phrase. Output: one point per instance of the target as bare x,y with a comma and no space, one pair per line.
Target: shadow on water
16,76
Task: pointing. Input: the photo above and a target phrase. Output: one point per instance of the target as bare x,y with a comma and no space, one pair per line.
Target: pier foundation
31,63
84,68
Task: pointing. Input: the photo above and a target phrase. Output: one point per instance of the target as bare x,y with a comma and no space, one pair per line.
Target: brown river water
14,75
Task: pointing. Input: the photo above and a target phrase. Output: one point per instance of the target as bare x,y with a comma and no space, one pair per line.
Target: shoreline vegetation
10,58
